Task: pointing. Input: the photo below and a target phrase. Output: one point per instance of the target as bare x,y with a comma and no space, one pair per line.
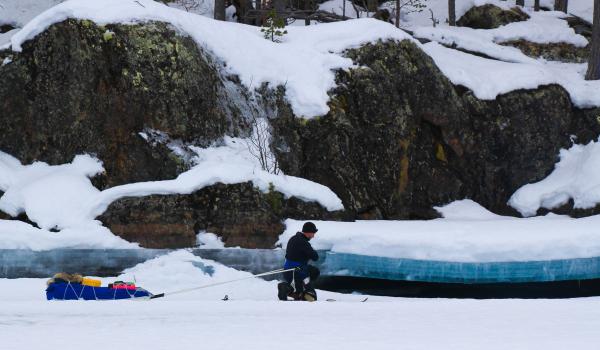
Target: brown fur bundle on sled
66,277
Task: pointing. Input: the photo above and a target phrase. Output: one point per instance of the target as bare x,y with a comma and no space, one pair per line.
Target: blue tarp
76,291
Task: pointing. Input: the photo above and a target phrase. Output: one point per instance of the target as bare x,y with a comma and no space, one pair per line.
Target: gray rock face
400,139
79,88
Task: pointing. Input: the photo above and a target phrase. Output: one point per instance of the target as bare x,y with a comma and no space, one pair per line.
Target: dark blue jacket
299,250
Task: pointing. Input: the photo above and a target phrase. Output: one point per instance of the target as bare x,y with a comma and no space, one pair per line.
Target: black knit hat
309,227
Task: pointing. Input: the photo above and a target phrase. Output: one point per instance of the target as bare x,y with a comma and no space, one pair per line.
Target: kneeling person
299,283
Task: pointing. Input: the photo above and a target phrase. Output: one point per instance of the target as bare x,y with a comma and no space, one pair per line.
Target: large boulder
490,16
83,88
400,139
240,214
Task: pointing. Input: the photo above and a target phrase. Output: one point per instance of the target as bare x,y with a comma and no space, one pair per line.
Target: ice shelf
16,263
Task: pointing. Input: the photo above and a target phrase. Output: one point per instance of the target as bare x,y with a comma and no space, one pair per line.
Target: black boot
283,290
310,294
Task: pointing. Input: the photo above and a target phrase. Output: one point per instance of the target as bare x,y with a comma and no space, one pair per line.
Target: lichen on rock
490,16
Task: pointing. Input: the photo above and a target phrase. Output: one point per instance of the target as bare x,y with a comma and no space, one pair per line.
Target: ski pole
224,282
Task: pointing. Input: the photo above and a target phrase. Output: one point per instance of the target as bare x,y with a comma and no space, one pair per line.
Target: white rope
230,281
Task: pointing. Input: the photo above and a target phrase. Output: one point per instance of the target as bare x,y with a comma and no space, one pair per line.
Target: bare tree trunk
451,12
258,6
372,5
220,10
536,5
397,13
561,5
521,2
593,72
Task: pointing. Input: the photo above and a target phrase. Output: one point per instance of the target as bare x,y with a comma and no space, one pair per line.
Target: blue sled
76,291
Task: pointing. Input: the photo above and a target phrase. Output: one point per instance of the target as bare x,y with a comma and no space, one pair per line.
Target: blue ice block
352,265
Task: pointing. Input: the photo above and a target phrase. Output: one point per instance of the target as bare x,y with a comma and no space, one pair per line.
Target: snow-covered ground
252,318
467,233
576,176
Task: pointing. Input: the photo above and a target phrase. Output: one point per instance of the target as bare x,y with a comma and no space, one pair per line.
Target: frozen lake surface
253,319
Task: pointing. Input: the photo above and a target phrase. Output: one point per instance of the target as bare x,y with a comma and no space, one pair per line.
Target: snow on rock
490,78
304,62
576,176
50,195
542,28
474,235
62,196
466,209
16,234
207,240
18,12
229,163
473,40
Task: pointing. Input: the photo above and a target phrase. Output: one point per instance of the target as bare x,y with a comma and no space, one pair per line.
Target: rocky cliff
398,140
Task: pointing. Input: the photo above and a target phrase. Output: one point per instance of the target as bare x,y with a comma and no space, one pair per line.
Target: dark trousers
299,276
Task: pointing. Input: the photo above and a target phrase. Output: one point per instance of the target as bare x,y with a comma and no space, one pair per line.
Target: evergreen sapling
274,27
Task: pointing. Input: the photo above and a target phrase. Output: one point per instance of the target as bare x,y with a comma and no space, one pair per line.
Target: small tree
274,27
259,144
593,72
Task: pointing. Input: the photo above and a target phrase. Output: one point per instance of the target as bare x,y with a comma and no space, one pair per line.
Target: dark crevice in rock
5,28
569,209
470,52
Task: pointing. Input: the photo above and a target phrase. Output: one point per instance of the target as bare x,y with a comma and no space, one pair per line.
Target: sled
75,287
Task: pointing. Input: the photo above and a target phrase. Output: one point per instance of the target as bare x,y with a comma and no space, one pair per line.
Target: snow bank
230,163
207,240
467,209
542,28
62,196
490,78
473,40
576,176
304,62
20,235
182,270
468,233
50,195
